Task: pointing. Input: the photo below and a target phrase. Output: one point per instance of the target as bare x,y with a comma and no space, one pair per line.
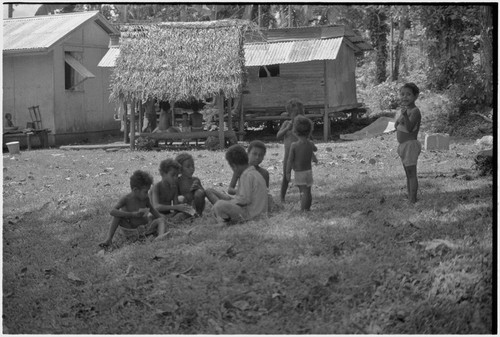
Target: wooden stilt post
229,114
140,107
242,117
125,121
220,104
326,119
132,126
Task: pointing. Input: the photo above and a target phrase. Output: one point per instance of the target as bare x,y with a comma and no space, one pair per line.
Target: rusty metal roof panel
260,54
40,32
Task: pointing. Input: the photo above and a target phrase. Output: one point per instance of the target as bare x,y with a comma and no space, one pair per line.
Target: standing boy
407,127
130,214
294,107
300,158
250,200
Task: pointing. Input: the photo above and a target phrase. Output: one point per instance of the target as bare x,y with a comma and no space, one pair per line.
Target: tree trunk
399,45
487,51
247,15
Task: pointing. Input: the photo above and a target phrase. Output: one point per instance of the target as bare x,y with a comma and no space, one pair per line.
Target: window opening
272,70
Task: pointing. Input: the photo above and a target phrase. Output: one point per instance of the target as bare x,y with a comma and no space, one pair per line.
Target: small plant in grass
212,143
145,143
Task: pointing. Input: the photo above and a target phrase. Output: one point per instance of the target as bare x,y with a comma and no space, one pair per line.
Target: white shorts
302,178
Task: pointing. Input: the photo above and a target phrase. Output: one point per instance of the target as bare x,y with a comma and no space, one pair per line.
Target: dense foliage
447,49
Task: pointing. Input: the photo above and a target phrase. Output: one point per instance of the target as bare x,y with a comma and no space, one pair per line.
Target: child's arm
232,185
162,208
196,185
412,119
118,211
265,174
287,125
314,158
153,210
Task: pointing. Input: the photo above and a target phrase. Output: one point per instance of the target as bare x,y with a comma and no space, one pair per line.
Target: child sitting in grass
190,188
294,108
131,212
300,158
256,152
164,194
250,200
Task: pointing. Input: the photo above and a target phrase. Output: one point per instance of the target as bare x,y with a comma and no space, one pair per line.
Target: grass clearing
362,261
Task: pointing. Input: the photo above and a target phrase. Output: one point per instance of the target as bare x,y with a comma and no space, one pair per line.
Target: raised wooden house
316,65
51,62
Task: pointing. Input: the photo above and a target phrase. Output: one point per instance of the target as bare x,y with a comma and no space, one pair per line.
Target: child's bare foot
105,244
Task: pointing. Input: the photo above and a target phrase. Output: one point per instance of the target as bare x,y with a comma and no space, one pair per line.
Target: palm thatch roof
180,60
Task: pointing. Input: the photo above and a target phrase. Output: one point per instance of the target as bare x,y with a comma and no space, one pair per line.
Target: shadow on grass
295,267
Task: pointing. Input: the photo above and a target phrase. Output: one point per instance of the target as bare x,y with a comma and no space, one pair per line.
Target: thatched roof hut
175,61
180,60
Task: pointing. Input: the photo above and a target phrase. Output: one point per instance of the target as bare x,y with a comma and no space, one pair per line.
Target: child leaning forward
250,200
190,187
256,152
164,194
299,160
131,213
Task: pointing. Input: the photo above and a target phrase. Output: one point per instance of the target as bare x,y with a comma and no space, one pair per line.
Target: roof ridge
39,17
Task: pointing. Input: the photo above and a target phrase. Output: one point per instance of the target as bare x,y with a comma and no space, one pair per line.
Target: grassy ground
361,262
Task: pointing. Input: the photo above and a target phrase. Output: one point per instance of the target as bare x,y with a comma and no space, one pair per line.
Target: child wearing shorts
407,127
299,160
131,213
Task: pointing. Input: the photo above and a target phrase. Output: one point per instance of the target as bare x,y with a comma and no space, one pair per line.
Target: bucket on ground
13,147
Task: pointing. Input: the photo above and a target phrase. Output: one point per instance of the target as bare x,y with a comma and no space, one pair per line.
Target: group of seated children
179,195
150,208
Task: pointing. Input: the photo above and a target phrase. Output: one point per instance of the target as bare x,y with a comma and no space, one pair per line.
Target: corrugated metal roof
40,32
261,54
108,61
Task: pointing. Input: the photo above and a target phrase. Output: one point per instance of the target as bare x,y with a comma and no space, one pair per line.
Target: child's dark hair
413,87
294,103
302,126
236,155
258,144
165,105
168,164
8,115
140,179
181,158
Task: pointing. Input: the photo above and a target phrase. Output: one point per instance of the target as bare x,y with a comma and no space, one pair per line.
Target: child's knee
199,195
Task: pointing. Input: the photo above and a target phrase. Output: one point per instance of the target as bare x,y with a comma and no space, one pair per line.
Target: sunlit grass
357,263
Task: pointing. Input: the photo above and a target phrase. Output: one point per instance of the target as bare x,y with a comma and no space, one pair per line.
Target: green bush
437,111
382,97
212,143
145,143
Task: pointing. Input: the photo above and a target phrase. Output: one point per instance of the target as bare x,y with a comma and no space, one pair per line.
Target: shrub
145,143
212,143
436,110
382,97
